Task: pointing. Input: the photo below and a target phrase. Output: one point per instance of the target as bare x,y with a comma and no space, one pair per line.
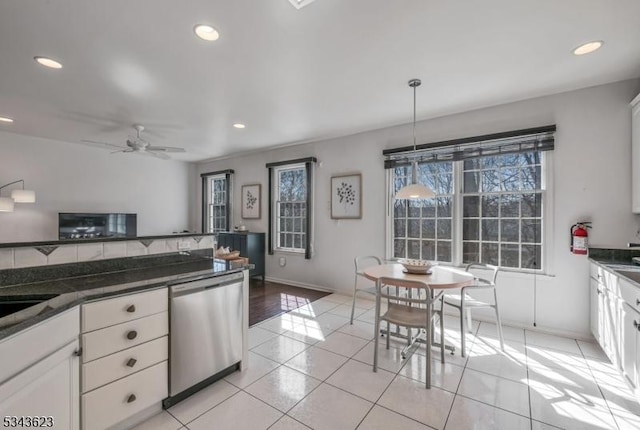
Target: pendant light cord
414,118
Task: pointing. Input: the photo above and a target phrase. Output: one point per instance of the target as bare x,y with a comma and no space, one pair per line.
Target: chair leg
442,345
429,335
388,334
463,332
377,335
469,321
353,303
498,320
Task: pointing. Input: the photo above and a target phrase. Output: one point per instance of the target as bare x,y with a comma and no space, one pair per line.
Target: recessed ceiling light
588,48
5,119
48,62
239,125
206,32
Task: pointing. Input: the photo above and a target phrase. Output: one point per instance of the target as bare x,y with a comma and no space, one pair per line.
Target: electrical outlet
184,244
283,261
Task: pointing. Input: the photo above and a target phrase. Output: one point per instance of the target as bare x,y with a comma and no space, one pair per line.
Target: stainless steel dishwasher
205,333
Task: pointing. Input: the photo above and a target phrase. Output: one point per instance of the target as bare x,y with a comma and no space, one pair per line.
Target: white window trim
209,194
547,267
276,218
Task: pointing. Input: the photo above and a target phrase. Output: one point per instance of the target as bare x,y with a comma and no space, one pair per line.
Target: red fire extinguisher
579,237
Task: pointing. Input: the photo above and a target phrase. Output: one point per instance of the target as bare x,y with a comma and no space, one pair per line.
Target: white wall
70,177
591,180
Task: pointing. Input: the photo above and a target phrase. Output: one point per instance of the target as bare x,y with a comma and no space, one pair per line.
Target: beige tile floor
311,369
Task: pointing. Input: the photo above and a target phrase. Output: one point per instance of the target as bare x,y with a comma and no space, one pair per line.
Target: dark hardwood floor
268,299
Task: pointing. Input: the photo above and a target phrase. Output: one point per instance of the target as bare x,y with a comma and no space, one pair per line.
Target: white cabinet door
49,388
635,155
630,320
596,309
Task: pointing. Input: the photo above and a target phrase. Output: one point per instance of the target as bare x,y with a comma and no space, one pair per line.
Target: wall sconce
17,196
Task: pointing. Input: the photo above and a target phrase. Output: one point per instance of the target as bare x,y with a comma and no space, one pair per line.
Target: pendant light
414,190
17,196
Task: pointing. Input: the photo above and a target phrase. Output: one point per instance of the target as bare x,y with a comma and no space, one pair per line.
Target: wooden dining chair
410,304
359,285
464,302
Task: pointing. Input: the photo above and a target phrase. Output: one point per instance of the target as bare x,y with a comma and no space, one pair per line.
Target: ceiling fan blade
123,150
165,149
102,144
154,154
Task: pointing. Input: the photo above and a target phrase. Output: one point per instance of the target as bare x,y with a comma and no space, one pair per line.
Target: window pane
297,242
400,208
471,206
297,225
510,255
282,241
399,248
472,164
510,205
510,230
531,178
429,228
399,226
531,231
444,229
288,224
471,182
414,249
292,185
413,229
510,179
288,241
444,251
491,181
490,229
490,206
470,252
414,208
490,253
531,256
470,229
429,208
491,162
444,206
297,209
444,184
428,250
532,205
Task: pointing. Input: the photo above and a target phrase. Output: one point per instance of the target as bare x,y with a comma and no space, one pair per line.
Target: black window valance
510,142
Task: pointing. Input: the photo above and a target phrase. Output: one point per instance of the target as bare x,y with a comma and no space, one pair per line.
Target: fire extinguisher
579,237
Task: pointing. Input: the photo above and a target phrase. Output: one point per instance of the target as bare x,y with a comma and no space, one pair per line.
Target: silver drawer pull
131,362
132,335
131,309
131,398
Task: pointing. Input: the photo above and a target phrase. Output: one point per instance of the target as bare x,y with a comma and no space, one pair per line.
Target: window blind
510,142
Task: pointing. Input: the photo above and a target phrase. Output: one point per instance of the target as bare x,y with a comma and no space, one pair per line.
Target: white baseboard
299,284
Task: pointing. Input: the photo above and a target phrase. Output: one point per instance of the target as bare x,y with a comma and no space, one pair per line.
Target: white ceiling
333,68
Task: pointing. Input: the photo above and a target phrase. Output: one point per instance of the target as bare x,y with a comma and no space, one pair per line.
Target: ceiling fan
138,145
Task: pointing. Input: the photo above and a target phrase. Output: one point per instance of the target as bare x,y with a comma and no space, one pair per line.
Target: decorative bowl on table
417,267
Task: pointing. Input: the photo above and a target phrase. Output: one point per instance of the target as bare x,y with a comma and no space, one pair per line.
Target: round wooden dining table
441,277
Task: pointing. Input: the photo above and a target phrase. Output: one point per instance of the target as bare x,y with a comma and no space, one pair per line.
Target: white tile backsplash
158,246
172,245
206,242
115,249
135,248
28,257
6,258
64,254
90,252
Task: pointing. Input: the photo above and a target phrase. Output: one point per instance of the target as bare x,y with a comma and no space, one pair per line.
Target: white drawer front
113,403
116,366
630,294
122,336
108,312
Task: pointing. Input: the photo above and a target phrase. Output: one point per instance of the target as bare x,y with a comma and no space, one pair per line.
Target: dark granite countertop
64,293
101,239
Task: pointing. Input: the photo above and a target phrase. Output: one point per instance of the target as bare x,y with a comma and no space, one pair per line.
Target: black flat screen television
95,226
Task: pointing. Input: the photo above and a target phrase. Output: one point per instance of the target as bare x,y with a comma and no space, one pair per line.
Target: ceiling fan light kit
414,190
299,4
7,204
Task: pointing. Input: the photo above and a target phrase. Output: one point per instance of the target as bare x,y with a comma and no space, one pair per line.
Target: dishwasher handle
191,287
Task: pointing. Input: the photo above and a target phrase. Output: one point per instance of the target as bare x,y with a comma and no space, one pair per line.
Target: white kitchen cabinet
47,384
635,155
596,299
629,340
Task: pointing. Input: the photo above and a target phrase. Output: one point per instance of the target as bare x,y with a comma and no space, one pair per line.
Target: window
489,202
216,201
423,229
290,206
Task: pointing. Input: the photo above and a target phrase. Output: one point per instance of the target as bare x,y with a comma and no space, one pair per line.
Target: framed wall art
251,195
346,196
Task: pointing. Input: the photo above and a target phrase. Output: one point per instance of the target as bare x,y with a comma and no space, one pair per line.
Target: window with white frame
216,202
489,204
290,193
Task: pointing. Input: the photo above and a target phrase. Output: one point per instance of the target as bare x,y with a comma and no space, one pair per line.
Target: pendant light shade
23,196
6,204
414,190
